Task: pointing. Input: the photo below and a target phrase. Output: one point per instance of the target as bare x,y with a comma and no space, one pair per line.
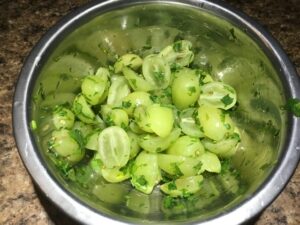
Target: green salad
154,121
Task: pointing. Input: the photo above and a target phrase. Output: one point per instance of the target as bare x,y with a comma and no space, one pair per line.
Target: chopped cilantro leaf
293,105
172,186
133,82
142,180
78,137
126,104
154,98
177,170
177,46
198,167
169,202
232,34
227,100
159,76
41,91
191,90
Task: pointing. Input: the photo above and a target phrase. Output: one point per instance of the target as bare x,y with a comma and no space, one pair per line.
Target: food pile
155,121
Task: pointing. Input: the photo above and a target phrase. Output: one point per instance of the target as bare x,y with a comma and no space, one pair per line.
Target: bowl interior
220,47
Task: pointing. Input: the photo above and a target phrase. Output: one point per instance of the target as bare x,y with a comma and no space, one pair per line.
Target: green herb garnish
293,105
227,100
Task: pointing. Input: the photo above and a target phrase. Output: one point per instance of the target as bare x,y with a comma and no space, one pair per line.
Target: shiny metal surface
263,191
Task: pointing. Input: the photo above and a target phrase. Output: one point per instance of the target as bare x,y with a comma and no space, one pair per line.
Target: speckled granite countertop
23,22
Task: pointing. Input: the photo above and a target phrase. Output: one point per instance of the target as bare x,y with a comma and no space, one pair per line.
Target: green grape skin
218,94
64,145
115,175
185,89
186,146
180,166
156,71
145,172
83,110
132,61
226,147
118,90
178,54
134,144
154,144
63,118
161,119
94,87
214,122
210,162
114,147
183,187
188,123
135,99
136,82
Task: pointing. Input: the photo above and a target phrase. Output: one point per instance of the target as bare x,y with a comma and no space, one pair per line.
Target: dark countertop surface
23,22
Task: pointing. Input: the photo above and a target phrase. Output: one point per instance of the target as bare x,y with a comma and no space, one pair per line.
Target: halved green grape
132,61
66,146
114,116
179,54
114,147
218,94
115,175
135,128
136,82
183,187
142,118
162,96
134,99
210,162
63,118
119,117
155,144
92,141
83,110
94,88
179,166
161,119
215,123
186,146
225,147
185,89
99,124
103,72
85,129
188,123
134,144
145,172
118,90
204,77
156,71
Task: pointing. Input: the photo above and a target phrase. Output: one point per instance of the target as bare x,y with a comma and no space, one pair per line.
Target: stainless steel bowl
240,52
